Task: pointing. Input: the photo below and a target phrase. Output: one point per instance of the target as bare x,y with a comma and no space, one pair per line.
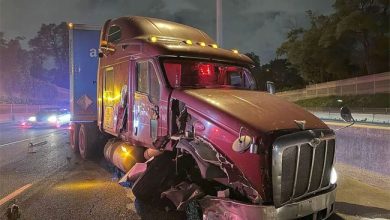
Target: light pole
219,22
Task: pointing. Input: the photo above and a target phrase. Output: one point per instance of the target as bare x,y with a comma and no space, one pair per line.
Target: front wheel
87,140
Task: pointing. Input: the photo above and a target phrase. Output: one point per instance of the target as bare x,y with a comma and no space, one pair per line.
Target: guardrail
370,84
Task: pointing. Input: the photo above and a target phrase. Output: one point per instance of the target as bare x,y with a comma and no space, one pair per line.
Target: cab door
146,107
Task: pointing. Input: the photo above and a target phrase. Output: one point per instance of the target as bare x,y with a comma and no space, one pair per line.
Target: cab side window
142,77
147,80
154,84
114,34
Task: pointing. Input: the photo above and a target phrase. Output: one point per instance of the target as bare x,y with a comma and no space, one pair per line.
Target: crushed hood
258,110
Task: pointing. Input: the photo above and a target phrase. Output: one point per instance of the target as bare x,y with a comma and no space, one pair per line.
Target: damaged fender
214,165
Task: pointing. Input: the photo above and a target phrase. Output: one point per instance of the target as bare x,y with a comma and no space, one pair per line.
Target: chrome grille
302,163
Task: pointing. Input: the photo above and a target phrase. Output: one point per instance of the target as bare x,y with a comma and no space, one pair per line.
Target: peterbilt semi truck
183,120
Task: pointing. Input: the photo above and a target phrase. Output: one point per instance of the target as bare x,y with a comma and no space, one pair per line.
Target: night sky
258,26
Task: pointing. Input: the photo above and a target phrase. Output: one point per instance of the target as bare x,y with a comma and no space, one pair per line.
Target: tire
87,140
74,137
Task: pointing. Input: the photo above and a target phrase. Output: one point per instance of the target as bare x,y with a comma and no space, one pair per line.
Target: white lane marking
14,194
15,142
29,139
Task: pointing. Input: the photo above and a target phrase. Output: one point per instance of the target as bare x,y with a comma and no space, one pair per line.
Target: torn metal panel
207,170
182,194
236,178
224,208
134,173
211,162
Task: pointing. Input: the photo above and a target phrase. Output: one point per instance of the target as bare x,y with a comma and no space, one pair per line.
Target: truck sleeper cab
184,121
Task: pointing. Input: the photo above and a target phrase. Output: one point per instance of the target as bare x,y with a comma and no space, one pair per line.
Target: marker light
235,51
70,25
103,43
189,42
203,44
32,118
333,176
214,46
153,39
52,119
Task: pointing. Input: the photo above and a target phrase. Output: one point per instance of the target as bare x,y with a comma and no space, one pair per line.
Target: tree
335,46
256,70
14,65
283,74
316,53
367,22
50,57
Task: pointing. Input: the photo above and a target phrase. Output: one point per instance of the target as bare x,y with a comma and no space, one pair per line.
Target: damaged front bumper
319,207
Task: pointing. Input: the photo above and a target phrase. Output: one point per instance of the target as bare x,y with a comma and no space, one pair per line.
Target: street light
219,21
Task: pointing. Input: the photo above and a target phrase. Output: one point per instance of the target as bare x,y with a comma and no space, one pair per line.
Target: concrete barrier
359,117
364,147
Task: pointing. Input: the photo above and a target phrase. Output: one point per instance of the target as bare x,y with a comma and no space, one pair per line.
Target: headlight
32,118
333,176
65,118
52,119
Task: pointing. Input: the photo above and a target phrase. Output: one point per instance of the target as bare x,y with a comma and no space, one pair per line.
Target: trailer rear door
83,61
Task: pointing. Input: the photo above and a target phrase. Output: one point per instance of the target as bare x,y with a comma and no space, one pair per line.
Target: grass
365,101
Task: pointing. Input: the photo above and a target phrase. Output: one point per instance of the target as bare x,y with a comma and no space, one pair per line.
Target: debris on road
13,212
32,147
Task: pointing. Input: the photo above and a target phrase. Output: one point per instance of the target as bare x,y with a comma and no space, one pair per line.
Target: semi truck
183,120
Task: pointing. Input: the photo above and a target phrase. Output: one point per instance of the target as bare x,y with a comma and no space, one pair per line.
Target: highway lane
51,182
54,183
13,132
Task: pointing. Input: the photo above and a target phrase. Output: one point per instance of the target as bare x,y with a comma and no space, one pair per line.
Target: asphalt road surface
51,182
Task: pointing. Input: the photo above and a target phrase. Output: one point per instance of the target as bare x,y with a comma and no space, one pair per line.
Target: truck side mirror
105,48
346,115
270,87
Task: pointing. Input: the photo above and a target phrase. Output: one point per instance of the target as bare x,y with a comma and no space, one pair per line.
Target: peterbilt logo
315,142
300,124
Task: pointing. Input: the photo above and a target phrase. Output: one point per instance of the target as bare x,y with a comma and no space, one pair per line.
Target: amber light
70,25
203,44
235,51
153,39
214,46
189,42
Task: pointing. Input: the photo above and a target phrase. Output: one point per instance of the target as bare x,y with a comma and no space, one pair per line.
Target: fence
371,84
17,112
44,93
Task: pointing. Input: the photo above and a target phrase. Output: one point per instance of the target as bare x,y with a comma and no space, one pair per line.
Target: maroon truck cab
183,120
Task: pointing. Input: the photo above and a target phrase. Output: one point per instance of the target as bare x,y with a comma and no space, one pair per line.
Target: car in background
49,117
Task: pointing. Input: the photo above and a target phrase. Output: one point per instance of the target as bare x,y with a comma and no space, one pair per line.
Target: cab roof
174,39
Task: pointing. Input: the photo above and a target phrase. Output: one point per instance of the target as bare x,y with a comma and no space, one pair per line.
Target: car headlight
333,176
65,118
52,119
32,118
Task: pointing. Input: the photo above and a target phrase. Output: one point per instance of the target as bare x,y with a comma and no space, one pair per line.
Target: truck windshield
201,74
